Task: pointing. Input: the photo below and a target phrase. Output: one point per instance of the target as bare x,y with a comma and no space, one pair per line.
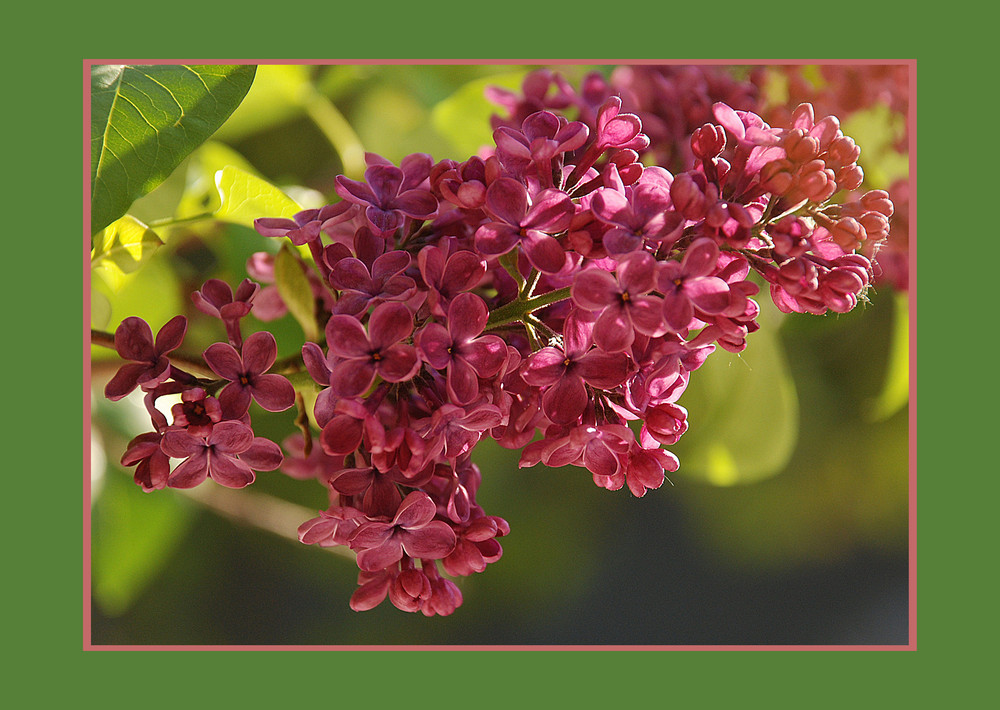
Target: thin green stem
517,311
337,131
173,221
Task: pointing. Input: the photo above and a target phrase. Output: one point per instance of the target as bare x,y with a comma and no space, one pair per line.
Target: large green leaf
146,119
743,411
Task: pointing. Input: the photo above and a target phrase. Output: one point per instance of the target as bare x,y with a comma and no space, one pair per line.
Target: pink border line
912,411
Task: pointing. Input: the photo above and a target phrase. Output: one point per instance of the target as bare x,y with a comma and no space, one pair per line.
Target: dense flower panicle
545,293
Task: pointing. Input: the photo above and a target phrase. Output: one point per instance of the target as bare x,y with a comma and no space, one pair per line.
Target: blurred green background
786,524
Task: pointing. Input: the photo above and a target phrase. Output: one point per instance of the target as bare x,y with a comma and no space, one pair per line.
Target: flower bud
843,151
777,177
850,177
877,200
708,141
688,197
848,233
799,146
816,182
876,225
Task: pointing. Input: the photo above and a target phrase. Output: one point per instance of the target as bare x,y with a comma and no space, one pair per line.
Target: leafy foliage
146,119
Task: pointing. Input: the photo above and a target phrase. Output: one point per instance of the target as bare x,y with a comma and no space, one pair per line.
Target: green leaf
121,248
896,388
134,534
246,197
743,411
464,117
295,290
146,119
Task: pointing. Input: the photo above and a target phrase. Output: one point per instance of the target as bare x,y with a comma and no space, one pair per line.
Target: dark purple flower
153,467
413,531
363,286
458,347
447,275
530,225
687,284
247,376
150,365
216,299
384,198
622,302
357,356
196,412
228,456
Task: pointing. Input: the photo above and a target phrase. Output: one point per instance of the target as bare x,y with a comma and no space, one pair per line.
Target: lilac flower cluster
554,293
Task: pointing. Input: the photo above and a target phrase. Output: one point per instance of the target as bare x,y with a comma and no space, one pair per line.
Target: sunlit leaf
743,412
464,117
295,290
146,119
246,197
121,248
200,195
133,536
896,388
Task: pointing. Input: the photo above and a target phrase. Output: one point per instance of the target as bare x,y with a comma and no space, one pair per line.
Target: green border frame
44,611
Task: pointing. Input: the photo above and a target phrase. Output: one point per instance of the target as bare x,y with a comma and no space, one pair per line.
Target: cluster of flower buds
554,294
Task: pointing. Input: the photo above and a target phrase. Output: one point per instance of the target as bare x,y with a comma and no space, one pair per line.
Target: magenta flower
565,372
413,531
542,137
640,216
359,356
532,226
687,285
306,225
150,365
228,456
247,376
459,348
385,205
622,302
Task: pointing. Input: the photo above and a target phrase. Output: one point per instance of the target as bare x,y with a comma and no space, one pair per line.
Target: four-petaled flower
530,225
458,347
357,356
413,531
566,371
623,303
688,284
384,198
248,377
228,456
150,365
